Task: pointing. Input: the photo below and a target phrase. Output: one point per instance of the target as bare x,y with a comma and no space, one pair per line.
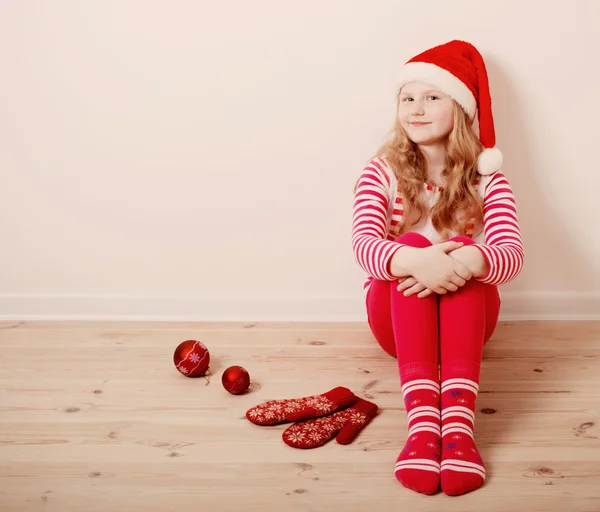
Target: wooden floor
95,417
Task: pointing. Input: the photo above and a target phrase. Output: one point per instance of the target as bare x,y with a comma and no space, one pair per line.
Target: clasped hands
440,268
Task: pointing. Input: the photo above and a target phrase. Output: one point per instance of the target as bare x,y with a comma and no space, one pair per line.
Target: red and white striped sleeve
371,200
503,248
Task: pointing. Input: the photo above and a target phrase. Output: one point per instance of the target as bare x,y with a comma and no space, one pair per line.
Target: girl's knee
413,239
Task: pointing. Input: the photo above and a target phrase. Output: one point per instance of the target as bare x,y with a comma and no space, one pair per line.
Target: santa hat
458,70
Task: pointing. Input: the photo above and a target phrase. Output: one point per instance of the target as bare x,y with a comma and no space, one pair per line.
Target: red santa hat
458,70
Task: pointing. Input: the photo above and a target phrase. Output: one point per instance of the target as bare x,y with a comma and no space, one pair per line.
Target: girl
435,228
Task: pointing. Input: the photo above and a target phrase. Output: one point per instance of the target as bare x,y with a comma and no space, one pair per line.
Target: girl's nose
418,110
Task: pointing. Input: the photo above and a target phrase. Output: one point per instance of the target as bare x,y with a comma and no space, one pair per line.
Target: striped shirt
378,212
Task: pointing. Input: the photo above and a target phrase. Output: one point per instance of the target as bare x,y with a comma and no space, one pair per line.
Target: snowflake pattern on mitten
316,432
274,412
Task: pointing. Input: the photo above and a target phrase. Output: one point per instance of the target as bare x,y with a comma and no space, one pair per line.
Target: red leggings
436,328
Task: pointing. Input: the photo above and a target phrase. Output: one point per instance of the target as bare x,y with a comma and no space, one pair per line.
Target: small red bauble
235,380
191,358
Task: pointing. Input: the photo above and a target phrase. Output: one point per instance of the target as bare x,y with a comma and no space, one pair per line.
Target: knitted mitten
274,412
345,424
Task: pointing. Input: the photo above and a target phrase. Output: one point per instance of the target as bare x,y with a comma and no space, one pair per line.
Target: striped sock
462,469
418,465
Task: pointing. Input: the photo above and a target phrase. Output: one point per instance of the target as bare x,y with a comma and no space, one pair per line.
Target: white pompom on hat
458,70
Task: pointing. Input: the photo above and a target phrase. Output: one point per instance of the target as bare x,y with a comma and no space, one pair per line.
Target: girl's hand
409,285
433,269
471,258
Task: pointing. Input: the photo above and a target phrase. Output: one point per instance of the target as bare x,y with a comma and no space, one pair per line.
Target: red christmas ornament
191,358
235,380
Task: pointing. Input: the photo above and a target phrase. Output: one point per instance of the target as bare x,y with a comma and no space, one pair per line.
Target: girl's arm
503,248
371,249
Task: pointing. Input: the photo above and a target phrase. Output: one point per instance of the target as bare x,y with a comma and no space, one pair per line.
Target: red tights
455,325
438,341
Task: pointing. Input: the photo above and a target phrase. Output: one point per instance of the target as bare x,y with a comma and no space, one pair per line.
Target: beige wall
196,160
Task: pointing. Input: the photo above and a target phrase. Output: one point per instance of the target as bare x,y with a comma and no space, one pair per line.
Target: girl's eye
407,99
433,97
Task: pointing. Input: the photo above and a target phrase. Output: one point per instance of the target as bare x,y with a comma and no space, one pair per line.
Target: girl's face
426,114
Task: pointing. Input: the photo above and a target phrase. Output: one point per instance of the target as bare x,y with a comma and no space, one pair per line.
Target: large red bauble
191,358
235,380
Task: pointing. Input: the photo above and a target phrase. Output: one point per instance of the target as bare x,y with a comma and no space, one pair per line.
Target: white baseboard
550,306
515,306
180,308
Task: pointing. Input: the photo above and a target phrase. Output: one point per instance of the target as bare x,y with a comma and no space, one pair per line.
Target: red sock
418,465
462,469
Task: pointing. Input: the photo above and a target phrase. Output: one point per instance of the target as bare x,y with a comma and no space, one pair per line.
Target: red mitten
274,412
349,422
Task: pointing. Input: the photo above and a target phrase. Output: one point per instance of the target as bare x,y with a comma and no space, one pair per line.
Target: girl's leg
408,328
379,315
379,312
467,319
492,310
